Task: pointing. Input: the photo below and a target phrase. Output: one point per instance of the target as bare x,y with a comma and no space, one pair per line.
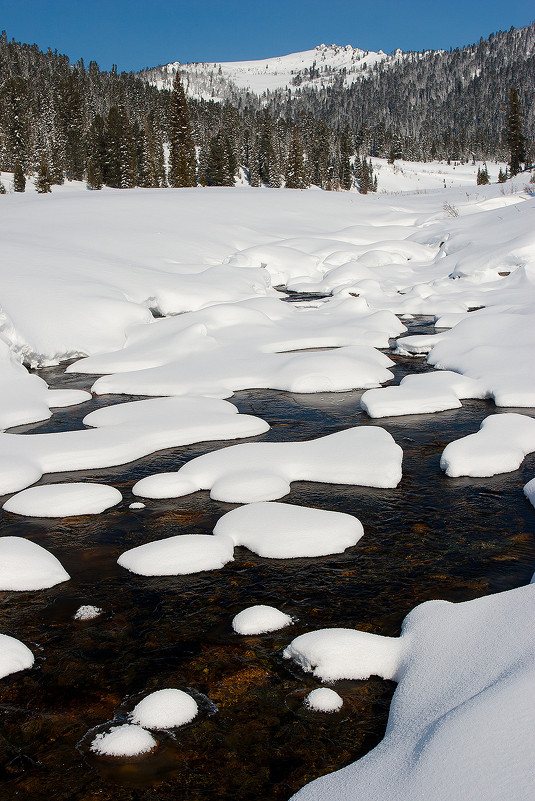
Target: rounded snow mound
165,709
285,531
63,500
124,741
178,556
260,620
24,565
14,656
324,700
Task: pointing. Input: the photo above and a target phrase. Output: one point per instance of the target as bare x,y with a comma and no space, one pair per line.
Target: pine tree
42,183
218,169
19,180
515,137
502,176
96,153
296,168
483,176
182,158
346,151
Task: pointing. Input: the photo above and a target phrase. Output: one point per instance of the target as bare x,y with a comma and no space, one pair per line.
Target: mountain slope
314,69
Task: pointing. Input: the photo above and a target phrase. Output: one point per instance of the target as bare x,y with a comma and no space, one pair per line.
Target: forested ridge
60,120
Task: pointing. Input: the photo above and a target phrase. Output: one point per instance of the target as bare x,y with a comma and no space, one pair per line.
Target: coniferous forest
59,120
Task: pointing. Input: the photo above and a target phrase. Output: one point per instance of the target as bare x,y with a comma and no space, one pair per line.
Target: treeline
62,121
59,121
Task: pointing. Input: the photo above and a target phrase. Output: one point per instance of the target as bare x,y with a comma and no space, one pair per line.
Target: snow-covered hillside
317,68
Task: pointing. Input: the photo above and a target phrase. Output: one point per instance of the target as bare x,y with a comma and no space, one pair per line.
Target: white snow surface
500,446
422,394
120,434
24,565
127,740
283,531
461,719
251,344
212,81
260,619
165,709
262,471
178,556
332,654
14,656
459,724
323,699
63,500
26,398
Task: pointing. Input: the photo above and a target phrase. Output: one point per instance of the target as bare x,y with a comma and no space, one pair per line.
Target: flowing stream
432,537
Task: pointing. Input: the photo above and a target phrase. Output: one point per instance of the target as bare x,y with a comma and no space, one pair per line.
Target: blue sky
137,34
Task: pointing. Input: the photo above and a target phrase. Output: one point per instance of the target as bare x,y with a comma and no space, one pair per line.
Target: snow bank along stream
353,504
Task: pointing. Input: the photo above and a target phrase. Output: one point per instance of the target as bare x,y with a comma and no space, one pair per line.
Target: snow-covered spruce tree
346,151
515,136
96,153
502,176
219,171
42,183
296,167
19,180
482,176
182,160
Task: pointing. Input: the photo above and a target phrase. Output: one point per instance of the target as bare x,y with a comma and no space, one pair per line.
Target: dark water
432,537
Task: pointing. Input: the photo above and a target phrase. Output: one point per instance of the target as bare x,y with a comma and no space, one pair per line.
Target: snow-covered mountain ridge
319,68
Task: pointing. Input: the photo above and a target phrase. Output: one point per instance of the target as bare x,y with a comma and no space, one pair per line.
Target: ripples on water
432,537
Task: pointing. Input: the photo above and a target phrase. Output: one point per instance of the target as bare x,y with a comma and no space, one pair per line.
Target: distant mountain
312,69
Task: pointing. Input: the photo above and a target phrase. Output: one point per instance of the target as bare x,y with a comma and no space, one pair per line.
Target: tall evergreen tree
182,158
346,151
296,168
19,179
42,183
96,153
515,137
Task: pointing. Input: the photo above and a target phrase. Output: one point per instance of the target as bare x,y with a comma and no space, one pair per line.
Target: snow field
461,720
251,344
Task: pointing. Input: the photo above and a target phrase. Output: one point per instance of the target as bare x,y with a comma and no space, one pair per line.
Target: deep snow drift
461,720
